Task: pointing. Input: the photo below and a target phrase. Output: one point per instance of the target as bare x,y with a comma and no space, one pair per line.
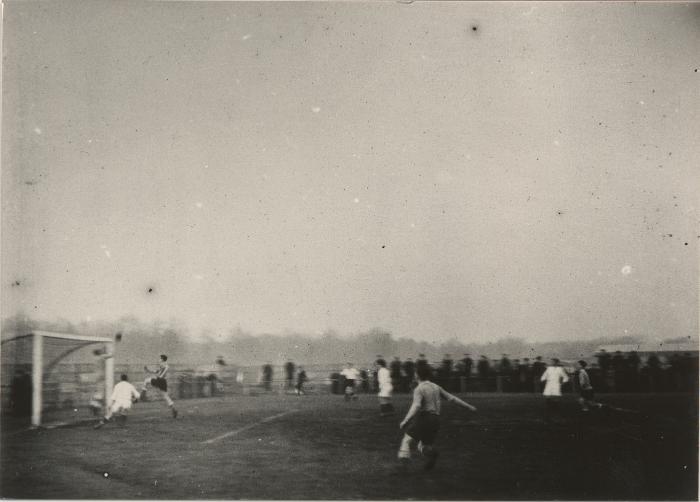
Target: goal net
52,377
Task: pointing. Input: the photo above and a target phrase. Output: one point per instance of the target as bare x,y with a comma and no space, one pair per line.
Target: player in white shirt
351,375
385,388
123,395
159,382
553,377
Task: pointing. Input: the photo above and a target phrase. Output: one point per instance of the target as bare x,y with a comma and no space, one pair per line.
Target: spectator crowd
616,372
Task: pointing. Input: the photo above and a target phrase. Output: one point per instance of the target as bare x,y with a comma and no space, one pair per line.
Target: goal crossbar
70,336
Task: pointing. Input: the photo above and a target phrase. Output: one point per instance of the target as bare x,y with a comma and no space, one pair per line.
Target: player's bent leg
121,418
107,417
170,403
111,411
405,448
431,456
147,383
167,398
584,404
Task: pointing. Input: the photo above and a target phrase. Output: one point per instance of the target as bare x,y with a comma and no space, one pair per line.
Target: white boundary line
249,426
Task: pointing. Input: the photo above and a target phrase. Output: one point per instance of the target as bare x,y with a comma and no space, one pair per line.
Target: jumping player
123,395
385,388
159,382
351,374
423,418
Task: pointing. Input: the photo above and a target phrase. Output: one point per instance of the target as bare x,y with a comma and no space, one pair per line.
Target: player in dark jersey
423,418
159,382
301,379
587,397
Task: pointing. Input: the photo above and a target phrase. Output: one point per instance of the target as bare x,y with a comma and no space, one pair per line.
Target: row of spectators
294,377
627,373
612,373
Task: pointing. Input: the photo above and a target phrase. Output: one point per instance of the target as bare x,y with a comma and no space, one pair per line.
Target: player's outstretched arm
454,399
464,404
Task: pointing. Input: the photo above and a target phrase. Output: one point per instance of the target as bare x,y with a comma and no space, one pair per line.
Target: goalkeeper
123,395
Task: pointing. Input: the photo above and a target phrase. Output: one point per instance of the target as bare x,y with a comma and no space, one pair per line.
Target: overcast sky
470,170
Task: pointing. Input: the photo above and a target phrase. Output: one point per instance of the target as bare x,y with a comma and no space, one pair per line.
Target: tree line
142,342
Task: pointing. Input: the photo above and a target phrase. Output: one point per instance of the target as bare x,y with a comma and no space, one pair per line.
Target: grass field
320,447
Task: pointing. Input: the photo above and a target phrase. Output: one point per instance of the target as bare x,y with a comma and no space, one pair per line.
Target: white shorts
385,390
121,406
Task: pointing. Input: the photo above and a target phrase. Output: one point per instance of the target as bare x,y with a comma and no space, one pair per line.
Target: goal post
37,377
49,350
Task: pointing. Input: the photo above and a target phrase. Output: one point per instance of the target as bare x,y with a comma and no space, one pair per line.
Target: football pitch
321,447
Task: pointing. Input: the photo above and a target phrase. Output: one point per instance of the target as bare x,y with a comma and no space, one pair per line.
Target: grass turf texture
333,449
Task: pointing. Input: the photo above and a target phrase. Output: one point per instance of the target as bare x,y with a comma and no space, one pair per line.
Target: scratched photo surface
349,250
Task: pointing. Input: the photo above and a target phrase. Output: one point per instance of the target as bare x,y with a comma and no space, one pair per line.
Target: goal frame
38,362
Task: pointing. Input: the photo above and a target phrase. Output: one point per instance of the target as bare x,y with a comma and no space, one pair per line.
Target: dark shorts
160,383
424,427
349,384
587,394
